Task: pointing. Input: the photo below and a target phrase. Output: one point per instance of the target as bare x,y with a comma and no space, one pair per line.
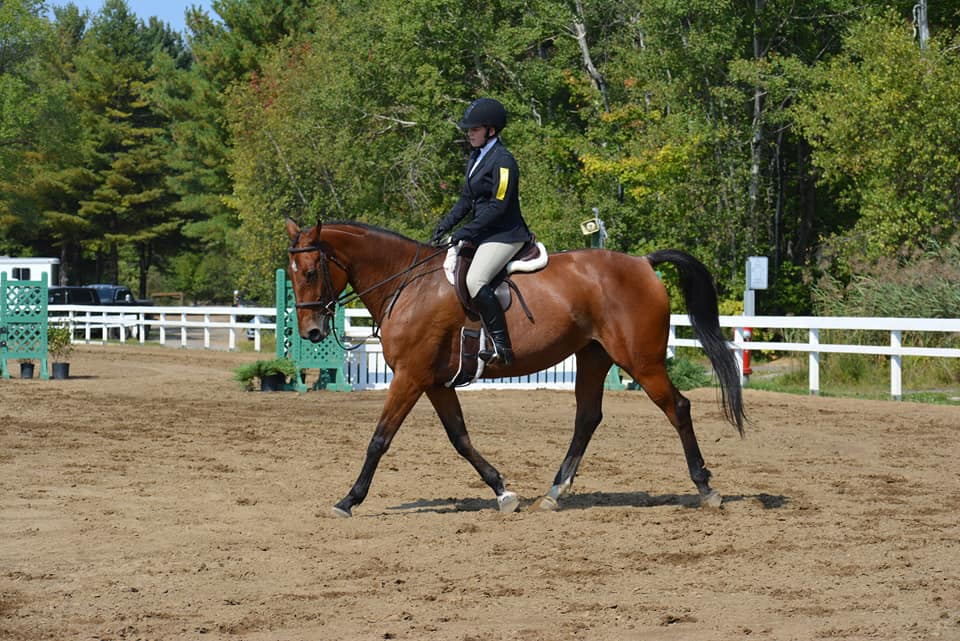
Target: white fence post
232,340
814,362
183,329
206,331
896,388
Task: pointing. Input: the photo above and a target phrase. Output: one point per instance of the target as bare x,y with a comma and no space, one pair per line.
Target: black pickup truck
99,294
117,295
120,295
72,295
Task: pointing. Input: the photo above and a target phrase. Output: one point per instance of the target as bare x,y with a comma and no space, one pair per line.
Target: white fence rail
218,327
206,327
894,327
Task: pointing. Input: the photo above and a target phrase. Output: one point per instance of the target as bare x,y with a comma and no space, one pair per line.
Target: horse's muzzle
319,332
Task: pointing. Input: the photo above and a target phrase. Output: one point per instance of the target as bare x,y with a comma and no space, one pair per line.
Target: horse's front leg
401,397
447,405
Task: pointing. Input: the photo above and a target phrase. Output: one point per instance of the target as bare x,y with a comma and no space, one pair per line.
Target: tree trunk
144,268
756,139
580,33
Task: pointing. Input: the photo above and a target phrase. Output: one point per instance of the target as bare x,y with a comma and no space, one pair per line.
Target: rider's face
477,136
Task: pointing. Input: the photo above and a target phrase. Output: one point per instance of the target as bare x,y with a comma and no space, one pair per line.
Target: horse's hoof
713,499
545,504
507,502
341,513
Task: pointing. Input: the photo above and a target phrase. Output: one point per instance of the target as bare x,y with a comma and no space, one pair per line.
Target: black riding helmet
484,112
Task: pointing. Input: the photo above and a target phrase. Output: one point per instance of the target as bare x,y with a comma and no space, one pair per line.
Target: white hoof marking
507,502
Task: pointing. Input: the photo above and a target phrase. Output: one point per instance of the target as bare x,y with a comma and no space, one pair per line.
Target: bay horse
605,307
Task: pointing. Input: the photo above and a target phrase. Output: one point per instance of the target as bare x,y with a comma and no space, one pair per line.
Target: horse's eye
311,275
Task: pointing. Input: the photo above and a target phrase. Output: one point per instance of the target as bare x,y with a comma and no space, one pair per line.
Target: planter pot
26,370
273,383
61,371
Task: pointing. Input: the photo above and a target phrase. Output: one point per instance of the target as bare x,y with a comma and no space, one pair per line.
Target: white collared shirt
483,152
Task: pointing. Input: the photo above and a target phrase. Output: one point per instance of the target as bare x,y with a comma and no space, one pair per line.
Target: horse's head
318,277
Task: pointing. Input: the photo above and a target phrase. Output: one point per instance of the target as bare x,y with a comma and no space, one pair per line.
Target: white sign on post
757,272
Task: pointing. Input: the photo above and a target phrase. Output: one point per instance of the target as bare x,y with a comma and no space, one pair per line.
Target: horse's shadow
587,500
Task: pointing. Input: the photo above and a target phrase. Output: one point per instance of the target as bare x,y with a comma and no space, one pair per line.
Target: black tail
700,298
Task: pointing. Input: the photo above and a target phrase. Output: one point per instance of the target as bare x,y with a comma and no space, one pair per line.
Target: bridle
328,309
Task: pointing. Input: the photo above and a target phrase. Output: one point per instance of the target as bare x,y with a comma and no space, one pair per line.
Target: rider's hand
438,234
459,235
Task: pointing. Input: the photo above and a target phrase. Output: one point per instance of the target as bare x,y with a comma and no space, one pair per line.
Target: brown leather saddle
531,257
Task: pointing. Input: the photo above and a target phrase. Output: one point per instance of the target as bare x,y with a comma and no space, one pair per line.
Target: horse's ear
292,228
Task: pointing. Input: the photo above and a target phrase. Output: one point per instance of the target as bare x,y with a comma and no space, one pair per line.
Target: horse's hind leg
593,363
447,405
675,405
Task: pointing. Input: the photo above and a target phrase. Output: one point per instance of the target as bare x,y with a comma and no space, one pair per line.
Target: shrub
257,370
921,284
687,374
58,342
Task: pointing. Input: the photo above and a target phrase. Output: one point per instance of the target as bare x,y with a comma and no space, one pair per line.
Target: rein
329,308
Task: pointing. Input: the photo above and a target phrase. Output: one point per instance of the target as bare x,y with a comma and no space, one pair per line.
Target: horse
606,307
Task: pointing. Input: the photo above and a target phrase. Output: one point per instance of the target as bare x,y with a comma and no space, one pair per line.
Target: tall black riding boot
493,319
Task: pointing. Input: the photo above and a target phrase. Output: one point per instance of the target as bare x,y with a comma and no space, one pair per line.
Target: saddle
532,257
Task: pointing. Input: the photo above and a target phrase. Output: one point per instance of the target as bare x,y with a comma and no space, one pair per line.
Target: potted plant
60,347
26,367
272,374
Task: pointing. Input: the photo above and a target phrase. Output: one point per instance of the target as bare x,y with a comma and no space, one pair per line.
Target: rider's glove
438,234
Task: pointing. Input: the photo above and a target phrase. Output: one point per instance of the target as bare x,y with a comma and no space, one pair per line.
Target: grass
925,380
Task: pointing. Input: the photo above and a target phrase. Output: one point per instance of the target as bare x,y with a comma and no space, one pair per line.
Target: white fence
219,327
893,327
207,327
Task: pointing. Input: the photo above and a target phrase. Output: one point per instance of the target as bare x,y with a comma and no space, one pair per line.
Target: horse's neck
377,265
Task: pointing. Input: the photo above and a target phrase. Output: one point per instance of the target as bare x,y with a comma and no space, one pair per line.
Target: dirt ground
148,497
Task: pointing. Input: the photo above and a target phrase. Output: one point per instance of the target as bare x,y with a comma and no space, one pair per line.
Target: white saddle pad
513,267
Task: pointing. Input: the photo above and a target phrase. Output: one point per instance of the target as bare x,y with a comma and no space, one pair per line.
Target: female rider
490,196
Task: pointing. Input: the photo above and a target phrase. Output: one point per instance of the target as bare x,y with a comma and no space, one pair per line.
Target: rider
490,195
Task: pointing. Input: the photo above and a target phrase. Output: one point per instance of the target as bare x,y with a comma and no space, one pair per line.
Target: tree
24,35
129,208
193,98
882,120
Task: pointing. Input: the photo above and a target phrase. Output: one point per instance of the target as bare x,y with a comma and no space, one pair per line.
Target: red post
747,335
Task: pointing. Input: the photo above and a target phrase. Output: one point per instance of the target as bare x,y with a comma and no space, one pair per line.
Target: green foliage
58,342
687,374
789,293
923,283
728,129
865,376
257,370
882,119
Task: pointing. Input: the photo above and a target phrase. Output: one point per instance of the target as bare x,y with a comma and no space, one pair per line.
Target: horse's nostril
315,335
